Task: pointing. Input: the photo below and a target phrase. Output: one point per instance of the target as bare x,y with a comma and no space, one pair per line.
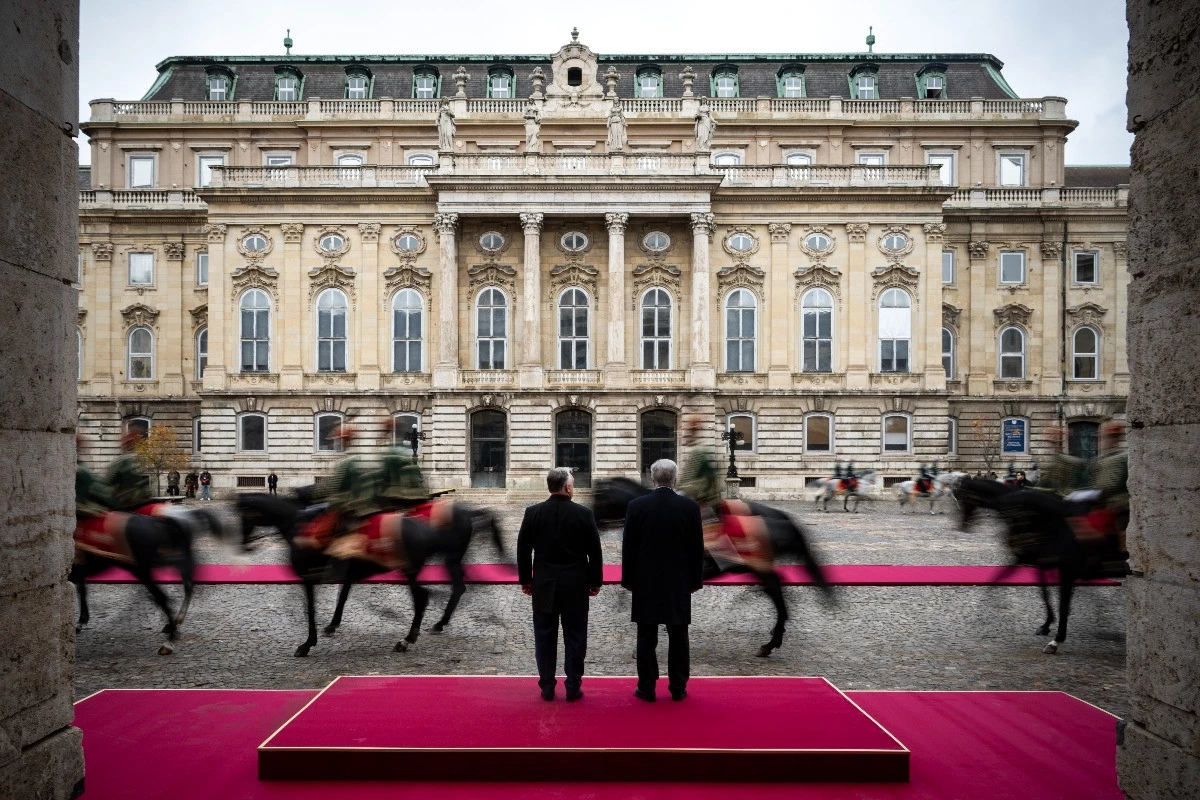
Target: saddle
377,538
104,536
738,537
924,485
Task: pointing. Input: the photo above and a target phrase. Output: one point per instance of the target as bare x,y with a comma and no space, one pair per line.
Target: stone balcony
1022,197
163,199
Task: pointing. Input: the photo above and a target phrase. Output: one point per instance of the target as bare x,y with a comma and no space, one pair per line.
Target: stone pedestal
733,487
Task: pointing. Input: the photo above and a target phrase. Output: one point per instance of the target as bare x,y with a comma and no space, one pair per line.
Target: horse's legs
1066,585
458,583
142,573
310,606
1045,629
343,593
774,590
187,575
420,598
80,582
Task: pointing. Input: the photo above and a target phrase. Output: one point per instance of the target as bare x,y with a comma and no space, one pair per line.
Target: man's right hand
527,589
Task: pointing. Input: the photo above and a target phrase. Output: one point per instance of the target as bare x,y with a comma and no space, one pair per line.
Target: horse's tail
795,543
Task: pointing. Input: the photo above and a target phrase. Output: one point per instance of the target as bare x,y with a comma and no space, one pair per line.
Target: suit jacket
662,557
558,552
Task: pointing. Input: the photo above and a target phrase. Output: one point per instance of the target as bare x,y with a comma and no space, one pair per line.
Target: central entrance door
489,449
658,438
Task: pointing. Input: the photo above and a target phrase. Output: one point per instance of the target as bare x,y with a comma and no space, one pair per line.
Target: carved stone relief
656,274
740,275
491,274
896,276
857,231
1088,314
102,251
950,315
1013,314
572,274
255,276
138,315
818,275
199,317
330,276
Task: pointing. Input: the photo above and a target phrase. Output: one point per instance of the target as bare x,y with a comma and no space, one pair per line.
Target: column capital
779,231
369,231
292,231
214,233
702,223
857,231
532,222
445,222
934,231
616,222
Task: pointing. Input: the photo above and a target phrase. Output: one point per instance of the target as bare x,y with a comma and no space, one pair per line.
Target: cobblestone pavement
906,638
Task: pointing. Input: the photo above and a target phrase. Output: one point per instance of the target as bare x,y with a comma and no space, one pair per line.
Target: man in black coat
559,564
662,563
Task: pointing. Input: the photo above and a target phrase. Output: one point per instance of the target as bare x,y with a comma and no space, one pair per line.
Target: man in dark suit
662,563
559,565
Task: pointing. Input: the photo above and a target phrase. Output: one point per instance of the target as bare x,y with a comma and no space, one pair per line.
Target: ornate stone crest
819,275
934,231
740,274
1088,314
406,276
1051,250
139,315
214,233
655,274
292,231
330,275
572,274
491,274
896,276
779,231
950,314
1119,248
199,317
979,249
369,231
1013,314
255,276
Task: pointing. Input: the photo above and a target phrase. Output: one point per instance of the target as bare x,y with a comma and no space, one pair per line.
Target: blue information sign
1013,435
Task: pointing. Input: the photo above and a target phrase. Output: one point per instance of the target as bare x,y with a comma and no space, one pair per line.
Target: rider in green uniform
350,490
399,482
1110,476
701,474
92,497
129,485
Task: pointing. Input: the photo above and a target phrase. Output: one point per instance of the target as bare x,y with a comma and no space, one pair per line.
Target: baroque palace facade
537,260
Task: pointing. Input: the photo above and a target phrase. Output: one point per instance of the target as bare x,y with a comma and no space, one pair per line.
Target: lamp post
734,437
414,436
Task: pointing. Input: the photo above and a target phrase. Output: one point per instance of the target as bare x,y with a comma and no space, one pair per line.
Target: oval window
895,241
817,242
408,243
656,241
255,243
741,243
332,243
491,241
574,242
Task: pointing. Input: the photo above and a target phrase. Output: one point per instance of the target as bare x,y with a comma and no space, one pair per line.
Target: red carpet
838,575
200,744
399,728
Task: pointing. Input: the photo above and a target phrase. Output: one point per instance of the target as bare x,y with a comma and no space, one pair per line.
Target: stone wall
40,753
1160,753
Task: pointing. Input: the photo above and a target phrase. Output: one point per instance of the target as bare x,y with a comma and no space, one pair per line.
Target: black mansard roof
1097,176
825,75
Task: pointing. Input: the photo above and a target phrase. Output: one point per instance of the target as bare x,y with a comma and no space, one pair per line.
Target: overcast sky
1070,48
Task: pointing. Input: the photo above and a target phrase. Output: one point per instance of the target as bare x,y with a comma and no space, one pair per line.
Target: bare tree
159,452
989,445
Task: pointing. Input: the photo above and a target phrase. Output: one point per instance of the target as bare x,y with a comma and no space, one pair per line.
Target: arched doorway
573,445
659,437
489,449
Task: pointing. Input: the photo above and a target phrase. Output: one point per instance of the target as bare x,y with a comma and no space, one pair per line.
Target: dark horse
612,498
153,541
1039,534
420,543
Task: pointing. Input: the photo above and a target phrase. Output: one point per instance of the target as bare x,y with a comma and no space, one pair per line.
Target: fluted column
616,368
777,314
860,342
292,280
366,347
1050,268
931,314
445,373
222,333
1120,384
702,373
531,329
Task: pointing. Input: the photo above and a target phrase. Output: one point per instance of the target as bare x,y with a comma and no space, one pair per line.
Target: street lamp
414,436
734,437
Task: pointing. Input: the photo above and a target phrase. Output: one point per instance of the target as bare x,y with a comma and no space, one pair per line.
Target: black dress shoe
574,694
647,696
547,694
679,695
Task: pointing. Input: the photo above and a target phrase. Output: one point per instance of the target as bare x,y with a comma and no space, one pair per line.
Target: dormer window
288,85
427,84
648,83
864,83
500,82
219,83
358,83
791,81
725,81
931,82
934,86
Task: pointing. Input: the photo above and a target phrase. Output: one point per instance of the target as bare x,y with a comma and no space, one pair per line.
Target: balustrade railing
367,176
572,377
496,105
139,198
653,105
830,175
657,377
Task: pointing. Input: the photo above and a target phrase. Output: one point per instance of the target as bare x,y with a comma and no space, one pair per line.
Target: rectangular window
500,86
218,89
893,355
743,424
1087,264
871,159
202,269
141,172
356,87
727,86
648,86
895,433
1012,267
279,161
945,162
425,87
141,269
818,434
865,85
948,266
287,90
253,433
206,164
793,86
952,433
1012,169
197,435
933,86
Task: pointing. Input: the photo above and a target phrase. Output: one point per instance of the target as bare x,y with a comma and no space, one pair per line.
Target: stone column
1159,754
979,381
445,373
777,312
703,375
1051,327
1121,361
931,336
616,368
41,754
858,308
291,294
367,317
222,316
531,329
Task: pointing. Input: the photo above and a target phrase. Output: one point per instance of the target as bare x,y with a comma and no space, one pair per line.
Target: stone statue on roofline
705,127
533,127
616,129
446,127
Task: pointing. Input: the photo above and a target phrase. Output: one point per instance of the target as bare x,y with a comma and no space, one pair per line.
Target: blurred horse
785,537
942,485
847,488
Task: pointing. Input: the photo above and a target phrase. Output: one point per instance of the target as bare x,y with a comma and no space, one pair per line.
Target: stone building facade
851,257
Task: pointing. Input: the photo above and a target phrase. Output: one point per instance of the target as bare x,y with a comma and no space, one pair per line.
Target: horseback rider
837,470
92,496
128,484
1110,476
349,493
851,480
701,481
400,485
924,480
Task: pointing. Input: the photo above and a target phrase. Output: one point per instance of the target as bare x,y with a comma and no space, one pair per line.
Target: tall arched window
816,331
252,432
256,331
325,428
741,308
489,445
331,331
573,330
139,425
658,437
408,308
895,330
492,328
201,353
897,435
403,424
656,329
573,444
1012,353
141,355
1085,347
948,353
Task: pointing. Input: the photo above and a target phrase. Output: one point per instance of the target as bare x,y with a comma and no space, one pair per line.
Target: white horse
831,487
943,486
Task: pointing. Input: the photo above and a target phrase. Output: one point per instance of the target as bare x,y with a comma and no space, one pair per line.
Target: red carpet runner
838,575
200,744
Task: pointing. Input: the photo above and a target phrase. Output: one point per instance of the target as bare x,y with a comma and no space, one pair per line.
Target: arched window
138,424
331,331
500,82
408,308
489,445
403,425
746,425
1012,353
818,433
573,330
816,331
896,433
725,81
256,331
726,159
656,329
141,355
201,353
573,444
658,437
348,164
420,160
252,433
78,354
1085,346
740,310
492,328
895,330
648,83
948,353
325,428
